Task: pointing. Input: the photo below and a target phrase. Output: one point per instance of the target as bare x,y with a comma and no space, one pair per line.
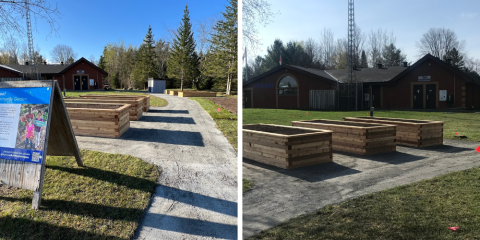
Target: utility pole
351,49
33,68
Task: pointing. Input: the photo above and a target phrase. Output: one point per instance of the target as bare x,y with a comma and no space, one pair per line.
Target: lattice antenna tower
351,48
30,39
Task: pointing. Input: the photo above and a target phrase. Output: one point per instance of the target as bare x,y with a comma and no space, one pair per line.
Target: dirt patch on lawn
228,103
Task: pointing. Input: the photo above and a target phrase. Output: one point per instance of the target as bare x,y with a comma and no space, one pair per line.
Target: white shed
157,85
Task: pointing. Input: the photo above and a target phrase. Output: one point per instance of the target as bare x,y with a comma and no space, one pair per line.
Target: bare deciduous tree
12,47
377,40
254,12
311,49
438,41
92,59
23,57
327,48
12,13
63,53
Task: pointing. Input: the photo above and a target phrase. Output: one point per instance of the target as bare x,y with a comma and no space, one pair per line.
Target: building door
376,99
431,96
84,82
247,98
76,81
417,96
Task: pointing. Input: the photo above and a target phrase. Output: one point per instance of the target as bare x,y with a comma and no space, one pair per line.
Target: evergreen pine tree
364,63
144,61
457,59
224,47
101,63
183,62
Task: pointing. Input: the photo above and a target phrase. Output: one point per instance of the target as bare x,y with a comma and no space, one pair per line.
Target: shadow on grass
168,111
164,136
443,148
197,200
82,209
160,119
108,176
389,157
313,173
191,226
23,228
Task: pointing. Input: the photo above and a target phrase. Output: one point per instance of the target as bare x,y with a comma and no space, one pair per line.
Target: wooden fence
322,99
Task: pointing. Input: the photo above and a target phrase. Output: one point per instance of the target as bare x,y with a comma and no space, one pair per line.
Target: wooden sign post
28,111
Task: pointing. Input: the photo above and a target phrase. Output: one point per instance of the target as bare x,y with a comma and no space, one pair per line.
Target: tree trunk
197,87
181,82
229,83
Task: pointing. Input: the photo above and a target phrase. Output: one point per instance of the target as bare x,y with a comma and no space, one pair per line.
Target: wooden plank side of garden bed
111,124
196,94
354,137
410,132
286,147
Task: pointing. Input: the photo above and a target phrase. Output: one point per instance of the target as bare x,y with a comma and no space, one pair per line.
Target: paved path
196,196
280,194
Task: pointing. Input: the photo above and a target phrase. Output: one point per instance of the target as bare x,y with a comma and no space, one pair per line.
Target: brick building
427,84
80,75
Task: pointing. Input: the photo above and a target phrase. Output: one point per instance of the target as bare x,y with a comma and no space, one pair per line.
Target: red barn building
80,75
428,84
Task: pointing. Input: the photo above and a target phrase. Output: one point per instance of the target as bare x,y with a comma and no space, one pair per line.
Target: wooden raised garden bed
285,146
98,119
173,93
135,110
356,137
145,98
196,94
410,132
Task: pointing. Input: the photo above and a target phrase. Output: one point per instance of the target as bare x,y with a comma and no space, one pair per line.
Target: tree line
201,59
378,46
15,52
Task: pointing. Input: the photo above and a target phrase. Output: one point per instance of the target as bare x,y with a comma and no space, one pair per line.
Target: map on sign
22,135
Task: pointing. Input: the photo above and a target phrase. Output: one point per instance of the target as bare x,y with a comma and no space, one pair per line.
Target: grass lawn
247,185
154,101
421,210
105,199
226,121
463,123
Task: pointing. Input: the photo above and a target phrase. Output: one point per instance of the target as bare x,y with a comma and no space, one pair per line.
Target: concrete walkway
196,196
280,195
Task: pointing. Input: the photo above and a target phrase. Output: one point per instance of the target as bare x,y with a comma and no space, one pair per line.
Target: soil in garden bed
96,106
278,129
356,124
228,103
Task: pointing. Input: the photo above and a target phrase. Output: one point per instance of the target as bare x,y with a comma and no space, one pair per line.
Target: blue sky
408,19
88,25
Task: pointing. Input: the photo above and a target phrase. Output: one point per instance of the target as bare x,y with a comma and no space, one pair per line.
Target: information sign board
442,95
20,108
28,109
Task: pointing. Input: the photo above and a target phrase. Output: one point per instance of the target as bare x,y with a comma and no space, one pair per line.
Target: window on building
287,86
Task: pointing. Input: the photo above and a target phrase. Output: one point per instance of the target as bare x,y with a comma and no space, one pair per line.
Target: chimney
45,63
26,63
379,65
61,63
405,64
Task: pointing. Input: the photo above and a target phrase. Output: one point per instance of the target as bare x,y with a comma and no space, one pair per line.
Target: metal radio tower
33,69
351,48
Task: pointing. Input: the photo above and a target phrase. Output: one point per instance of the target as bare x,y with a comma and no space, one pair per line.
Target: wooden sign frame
59,142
